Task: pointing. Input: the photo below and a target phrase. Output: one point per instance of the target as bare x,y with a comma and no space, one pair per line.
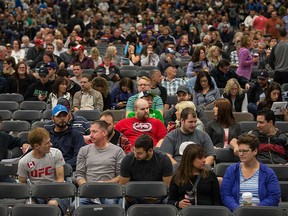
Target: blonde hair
183,105
144,78
229,85
95,51
110,50
210,53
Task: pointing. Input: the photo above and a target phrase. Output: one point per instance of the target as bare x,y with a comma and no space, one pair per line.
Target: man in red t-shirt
141,124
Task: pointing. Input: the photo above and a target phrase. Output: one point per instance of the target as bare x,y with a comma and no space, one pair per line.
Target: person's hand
121,104
247,86
255,59
235,150
116,77
25,148
184,203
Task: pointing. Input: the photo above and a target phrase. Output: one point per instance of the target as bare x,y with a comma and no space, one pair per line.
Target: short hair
63,72
186,112
282,31
153,72
37,135
144,141
268,114
87,76
249,139
223,63
144,78
107,113
102,124
78,64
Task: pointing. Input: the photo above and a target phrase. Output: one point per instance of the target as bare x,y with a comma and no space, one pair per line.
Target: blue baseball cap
58,109
52,65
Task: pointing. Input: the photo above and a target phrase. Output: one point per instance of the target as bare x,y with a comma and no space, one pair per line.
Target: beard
62,124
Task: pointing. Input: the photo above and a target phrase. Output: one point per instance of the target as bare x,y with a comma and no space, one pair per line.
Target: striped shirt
249,185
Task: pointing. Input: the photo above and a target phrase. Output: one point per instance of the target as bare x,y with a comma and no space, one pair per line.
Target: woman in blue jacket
249,175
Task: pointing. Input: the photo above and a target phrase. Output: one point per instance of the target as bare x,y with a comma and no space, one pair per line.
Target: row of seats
114,190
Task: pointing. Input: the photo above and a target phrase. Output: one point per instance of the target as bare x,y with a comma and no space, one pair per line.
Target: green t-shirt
152,114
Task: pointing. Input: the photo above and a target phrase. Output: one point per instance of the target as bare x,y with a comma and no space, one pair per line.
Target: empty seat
129,67
152,210
99,210
280,170
243,116
220,168
142,73
39,124
35,210
284,194
90,115
247,126
88,71
33,105
11,97
147,68
282,126
258,210
225,155
4,210
47,114
205,210
6,114
118,114
27,115
15,126
14,193
23,135
128,73
8,168
9,105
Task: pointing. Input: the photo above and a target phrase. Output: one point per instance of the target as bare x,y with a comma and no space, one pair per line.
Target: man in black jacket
222,73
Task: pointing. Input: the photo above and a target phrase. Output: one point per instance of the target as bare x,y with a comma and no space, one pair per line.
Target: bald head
141,108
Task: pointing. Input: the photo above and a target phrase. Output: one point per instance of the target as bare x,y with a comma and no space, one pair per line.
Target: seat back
27,115
281,171
220,169
146,189
284,191
39,124
90,115
247,126
52,190
16,126
47,114
8,168
152,210
118,114
101,190
33,105
4,210
99,210
35,210
14,191
6,114
258,210
11,97
128,73
205,210
9,105
171,100
225,155
282,126
243,116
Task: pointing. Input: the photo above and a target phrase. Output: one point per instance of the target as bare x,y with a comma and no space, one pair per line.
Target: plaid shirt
172,85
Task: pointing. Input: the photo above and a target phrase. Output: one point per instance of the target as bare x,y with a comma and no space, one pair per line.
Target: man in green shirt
153,113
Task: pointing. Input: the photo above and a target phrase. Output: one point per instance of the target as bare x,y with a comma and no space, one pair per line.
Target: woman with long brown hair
224,129
192,183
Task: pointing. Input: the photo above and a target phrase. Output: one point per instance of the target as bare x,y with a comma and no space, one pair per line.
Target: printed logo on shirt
31,164
42,172
142,127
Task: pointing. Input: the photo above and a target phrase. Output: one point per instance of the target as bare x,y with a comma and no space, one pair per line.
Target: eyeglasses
143,84
22,67
244,151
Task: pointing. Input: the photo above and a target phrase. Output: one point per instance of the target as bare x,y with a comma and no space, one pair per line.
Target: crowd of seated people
208,56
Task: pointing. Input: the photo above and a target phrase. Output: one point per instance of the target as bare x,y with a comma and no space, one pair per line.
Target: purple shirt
245,63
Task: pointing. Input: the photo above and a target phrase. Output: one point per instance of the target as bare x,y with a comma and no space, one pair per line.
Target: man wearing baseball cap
64,137
85,61
257,92
35,54
153,113
77,122
183,94
41,88
52,69
168,60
